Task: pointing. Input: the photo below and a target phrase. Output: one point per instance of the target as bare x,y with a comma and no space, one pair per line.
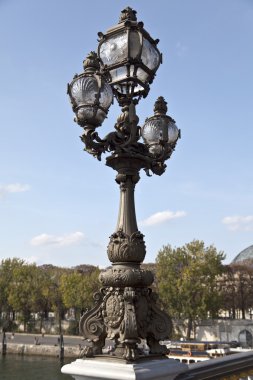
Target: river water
16,367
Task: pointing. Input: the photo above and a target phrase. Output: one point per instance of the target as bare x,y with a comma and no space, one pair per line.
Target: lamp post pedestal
106,369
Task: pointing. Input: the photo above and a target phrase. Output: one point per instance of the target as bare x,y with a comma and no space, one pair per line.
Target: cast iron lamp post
125,308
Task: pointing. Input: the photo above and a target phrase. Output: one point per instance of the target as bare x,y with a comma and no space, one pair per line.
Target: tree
187,281
43,298
228,289
23,290
7,268
90,286
237,288
77,289
26,289
55,293
70,289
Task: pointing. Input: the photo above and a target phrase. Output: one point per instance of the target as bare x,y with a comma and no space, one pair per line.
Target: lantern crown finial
160,107
127,14
91,63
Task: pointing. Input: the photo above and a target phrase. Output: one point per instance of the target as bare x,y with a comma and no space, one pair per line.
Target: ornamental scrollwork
92,327
129,332
153,323
125,248
159,328
125,315
125,140
124,277
113,311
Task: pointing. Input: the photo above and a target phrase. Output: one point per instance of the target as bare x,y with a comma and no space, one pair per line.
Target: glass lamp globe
130,56
90,94
160,132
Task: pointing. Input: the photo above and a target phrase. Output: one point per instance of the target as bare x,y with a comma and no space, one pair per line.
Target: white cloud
13,188
57,241
239,223
31,259
162,217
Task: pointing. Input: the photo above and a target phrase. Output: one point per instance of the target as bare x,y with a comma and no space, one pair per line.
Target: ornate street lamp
126,309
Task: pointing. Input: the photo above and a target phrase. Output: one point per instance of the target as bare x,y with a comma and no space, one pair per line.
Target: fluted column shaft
127,218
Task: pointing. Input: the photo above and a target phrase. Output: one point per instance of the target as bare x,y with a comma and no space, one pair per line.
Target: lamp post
126,309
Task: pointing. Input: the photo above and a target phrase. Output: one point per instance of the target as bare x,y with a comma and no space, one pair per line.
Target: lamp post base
109,368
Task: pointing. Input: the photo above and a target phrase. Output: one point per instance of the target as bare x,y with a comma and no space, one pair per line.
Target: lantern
130,56
90,94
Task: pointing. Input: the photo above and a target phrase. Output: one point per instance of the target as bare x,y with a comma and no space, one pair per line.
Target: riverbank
41,345
32,349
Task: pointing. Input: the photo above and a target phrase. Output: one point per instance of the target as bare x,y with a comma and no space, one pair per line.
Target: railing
232,367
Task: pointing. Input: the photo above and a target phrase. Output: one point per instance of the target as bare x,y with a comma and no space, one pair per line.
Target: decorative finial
91,63
128,14
160,107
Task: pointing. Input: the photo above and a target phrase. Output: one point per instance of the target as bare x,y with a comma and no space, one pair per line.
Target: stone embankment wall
224,330
216,329
42,350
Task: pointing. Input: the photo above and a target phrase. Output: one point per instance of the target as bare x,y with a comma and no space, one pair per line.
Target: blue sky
57,203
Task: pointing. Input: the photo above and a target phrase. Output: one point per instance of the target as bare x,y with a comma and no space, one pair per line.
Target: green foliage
187,280
90,285
26,289
236,287
77,289
7,269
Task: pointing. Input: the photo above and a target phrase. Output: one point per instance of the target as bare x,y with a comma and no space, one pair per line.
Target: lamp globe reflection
126,309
